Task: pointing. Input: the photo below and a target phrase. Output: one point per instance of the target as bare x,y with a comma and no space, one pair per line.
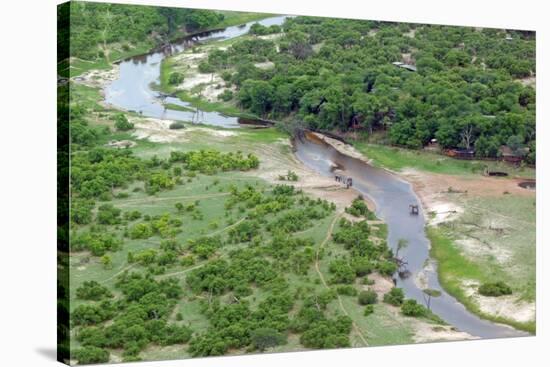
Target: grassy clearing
507,224
116,53
232,18
397,159
206,106
454,267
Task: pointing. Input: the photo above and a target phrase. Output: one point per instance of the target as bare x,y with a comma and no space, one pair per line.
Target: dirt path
322,277
182,271
118,273
151,200
226,228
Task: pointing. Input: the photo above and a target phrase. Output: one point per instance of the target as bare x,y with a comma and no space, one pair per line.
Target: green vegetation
290,176
175,78
184,235
495,289
397,159
359,208
464,94
261,30
412,308
174,244
367,297
453,268
394,297
104,33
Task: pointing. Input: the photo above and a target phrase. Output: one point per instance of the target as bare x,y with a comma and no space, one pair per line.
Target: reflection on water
392,197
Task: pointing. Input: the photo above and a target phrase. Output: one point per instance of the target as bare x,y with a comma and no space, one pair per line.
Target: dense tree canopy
95,25
338,74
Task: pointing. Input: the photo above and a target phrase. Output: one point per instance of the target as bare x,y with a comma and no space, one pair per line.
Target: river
133,91
392,197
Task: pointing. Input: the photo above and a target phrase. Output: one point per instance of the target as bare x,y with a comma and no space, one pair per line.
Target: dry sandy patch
425,333
509,307
157,130
98,78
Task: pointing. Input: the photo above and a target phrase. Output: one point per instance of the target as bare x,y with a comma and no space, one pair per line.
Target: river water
392,197
133,91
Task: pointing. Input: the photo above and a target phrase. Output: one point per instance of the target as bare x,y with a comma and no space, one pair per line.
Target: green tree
91,355
122,123
367,297
265,338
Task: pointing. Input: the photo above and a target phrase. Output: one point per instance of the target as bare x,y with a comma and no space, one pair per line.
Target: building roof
404,66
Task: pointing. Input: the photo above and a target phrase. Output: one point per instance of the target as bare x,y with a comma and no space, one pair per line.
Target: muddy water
392,197
133,91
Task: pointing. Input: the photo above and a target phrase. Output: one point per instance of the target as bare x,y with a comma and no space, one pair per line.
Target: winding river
392,197
133,91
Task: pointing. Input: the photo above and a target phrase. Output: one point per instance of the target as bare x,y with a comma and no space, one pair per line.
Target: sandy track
321,276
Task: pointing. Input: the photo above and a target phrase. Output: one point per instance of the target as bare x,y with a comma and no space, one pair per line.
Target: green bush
369,309
92,290
226,96
394,297
141,231
122,123
266,338
495,289
88,355
177,125
346,290
205,67
358,208
175,78
412,308
368,297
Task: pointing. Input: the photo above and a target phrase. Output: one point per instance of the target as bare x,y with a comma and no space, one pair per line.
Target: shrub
412,308
92,290
386,267
495,289
394,297
369,309
88,355
205,67
266,338
358,208
346,290
141,231
177,125
368,297
226,96
341,272
122,123
108,214
175,78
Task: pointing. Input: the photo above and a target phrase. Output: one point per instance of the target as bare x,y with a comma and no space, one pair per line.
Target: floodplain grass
207,106
453,268
232,18
81,66
397,159
509,222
